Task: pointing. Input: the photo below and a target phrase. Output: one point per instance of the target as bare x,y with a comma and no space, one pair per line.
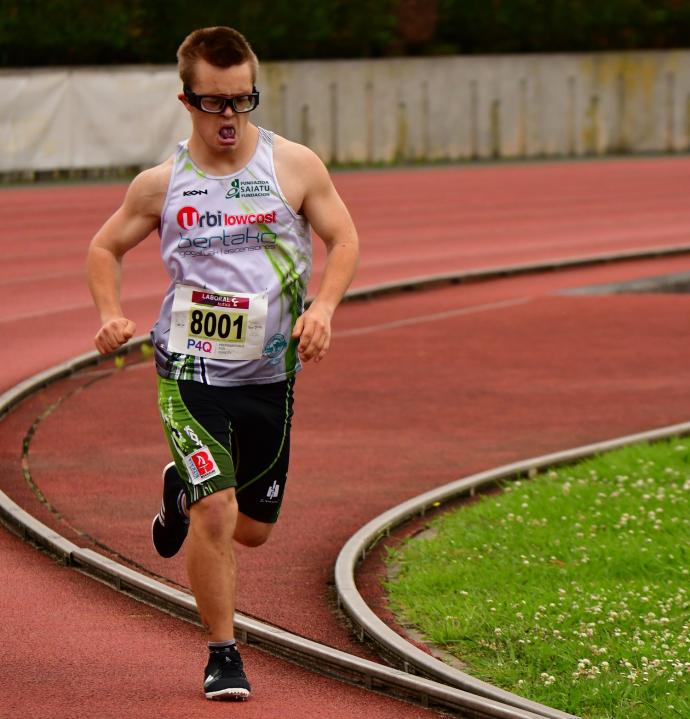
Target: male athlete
233,208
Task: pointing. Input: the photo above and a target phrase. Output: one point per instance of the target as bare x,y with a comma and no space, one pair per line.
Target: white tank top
234,234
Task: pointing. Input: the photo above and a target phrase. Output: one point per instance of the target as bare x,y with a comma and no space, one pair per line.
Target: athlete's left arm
331,221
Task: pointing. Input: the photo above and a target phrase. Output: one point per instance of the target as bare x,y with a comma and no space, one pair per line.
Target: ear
184,101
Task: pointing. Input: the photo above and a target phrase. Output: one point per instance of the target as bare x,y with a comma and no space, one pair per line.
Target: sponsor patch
201,465
189,217
248,188
275,348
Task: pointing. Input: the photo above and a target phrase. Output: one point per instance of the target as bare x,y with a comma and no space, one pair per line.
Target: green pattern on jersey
292,290
190,167
181,366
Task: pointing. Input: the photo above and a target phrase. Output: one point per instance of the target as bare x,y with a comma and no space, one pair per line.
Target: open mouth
227,133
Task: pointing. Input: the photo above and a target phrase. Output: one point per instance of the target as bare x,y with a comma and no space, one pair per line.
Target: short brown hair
219,46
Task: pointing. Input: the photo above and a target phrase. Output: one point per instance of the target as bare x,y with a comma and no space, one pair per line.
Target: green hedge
80,32
501,26
71,32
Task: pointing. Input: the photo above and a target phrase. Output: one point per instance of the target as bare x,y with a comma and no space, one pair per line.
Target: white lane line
75,307
436,317
46,312
343,333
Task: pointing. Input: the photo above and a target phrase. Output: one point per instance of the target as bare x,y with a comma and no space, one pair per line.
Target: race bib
218,325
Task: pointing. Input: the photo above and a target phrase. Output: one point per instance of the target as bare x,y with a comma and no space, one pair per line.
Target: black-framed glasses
216,104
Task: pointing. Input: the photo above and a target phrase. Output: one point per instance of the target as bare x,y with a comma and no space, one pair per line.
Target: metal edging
16,394
254,630
489,273
28,527
126,579
143,587
356,547
257,632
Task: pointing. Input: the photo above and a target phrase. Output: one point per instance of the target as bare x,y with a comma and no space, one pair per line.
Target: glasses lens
244,103
212,104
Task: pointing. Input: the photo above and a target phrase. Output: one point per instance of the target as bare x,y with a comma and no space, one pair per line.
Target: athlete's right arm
138,216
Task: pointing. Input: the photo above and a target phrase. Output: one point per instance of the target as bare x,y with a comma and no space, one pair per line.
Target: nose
227,110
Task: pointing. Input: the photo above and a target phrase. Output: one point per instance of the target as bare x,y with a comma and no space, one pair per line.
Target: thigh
260,438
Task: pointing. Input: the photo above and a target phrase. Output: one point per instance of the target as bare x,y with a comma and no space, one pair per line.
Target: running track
420,389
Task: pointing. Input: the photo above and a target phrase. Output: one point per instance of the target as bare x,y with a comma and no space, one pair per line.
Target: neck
220,161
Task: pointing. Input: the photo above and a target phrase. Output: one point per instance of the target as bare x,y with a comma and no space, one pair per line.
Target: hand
313,328
113,334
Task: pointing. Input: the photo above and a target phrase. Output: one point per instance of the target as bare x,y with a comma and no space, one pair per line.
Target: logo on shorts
201,465
273,490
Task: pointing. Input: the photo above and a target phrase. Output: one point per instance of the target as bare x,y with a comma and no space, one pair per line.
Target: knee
215,516
250,540
251,533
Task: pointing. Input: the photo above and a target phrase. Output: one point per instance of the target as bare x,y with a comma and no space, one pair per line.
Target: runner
233,207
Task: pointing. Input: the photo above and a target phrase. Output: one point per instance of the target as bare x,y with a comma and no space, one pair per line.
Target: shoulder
289,149
147,191
300,172
296,158
154,180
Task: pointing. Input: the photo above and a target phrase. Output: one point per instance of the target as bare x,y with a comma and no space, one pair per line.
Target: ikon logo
188,217
187,193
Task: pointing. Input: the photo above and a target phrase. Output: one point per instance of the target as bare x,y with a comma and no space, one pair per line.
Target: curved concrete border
490,273
318,656
369,624
310,654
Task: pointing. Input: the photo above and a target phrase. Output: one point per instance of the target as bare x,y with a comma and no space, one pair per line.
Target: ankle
220,646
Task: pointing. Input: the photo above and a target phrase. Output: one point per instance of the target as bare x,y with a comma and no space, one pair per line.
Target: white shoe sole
238,694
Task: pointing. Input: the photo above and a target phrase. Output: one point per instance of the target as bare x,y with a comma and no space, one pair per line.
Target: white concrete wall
365,111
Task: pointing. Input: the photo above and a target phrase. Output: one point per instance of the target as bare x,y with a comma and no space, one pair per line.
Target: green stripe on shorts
186,437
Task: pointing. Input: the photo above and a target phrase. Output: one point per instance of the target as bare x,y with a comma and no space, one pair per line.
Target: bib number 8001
225,326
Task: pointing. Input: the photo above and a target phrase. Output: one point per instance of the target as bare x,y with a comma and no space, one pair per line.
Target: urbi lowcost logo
189,217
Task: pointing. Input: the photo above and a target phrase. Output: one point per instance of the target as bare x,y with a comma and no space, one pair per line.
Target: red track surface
419,389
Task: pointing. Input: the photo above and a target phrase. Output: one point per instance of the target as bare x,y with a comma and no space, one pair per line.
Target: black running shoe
224,677
170,525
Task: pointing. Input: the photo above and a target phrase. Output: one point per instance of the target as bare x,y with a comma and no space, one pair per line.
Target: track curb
397,647
448,691
305,652
492,273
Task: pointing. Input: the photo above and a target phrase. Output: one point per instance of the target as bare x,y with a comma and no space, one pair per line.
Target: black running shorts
224,437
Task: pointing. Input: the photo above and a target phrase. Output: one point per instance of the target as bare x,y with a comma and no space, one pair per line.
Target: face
225,131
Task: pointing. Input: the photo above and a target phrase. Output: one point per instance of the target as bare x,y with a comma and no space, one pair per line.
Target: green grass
572,588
